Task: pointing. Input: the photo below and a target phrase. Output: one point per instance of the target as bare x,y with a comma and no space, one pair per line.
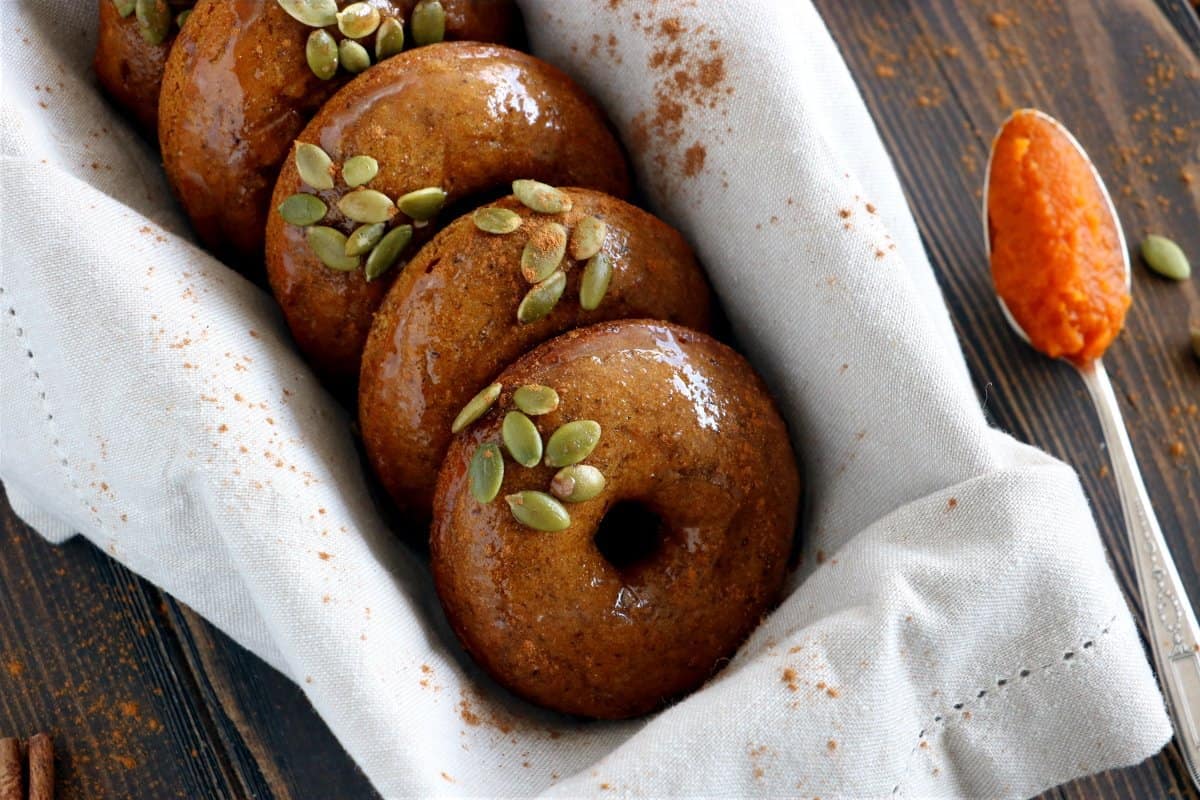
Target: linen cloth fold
954,629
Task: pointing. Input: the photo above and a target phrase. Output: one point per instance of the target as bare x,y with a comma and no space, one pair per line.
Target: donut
459,118
131,52
238,88
450,321
674,547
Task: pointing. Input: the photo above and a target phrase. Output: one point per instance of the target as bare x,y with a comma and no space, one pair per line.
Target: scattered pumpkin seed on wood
313,13
367,206
541,197
389,39
422,204
491,219
428,22
572,443
353,57
154,20
543,252
587,238
476,407
359,170
521,439
597,274
358,20
329,245
541,298
577,483
321,53
364,238
1165,257
314,165
539,511
486,472
535,399
302,210
387,252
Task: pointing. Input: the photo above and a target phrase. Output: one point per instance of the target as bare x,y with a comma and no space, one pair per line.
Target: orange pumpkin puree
1057,260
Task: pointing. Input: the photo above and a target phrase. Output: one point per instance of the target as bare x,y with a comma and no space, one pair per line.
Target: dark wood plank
939,76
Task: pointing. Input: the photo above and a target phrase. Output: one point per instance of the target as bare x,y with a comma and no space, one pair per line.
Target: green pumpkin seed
302,210
486,472
1165,257
359,170
541,299
577,483
367,205
154,20
521,439
313,13
535,399
387,252
428,22
539,511
364,238
358,20
476,407
423,203
587,238
182,17
543,252
594,285
314,165
389,39
491,219
124,7
541,198
330,246
572,443
321,52
353,56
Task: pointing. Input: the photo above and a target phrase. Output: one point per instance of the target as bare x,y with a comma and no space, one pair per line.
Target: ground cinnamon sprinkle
693,159
790,677
832,745
1178,450
884,71
999,20
324,556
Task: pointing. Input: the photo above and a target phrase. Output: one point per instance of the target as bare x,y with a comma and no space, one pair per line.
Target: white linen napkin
954,630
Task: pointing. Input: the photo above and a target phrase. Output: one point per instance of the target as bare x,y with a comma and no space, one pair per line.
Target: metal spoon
1173,634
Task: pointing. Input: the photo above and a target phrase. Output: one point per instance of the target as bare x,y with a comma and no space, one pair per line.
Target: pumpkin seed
321,52
358,20
353,56
541,299
1165,257
535,399
330,246
587,238
572,443
154,20
302,210
491,219
313,13
476,407
577,483
359,170
594,285
423,203
486,472
364,238
521,439
539,511
367,205
314,165
541,198
428,22
543,252
124,7
389,39
182,17
387,252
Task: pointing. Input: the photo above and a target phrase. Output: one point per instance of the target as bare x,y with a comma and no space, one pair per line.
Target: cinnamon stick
41,767
11,785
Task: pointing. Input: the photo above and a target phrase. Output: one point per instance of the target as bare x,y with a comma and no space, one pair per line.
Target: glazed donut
449,323
463,119
611,606
131,52
238,88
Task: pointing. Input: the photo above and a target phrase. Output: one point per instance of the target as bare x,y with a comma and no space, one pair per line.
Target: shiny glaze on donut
689,431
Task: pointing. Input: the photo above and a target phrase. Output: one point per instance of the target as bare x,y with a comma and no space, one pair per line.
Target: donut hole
629,535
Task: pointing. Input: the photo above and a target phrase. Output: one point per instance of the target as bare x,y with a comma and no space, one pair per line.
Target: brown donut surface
469,118
129,65
238,89
689,434
449,324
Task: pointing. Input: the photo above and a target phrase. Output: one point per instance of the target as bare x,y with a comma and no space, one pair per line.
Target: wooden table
145,699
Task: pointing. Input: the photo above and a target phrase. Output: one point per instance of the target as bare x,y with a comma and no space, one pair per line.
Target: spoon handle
1170,620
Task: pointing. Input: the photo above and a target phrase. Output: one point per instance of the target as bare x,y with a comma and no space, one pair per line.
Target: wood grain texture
145,699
